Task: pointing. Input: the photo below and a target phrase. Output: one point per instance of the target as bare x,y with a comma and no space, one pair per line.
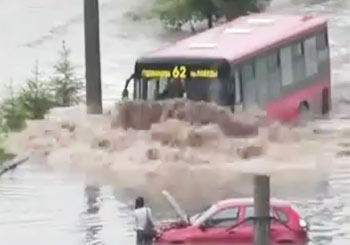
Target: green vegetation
66,86
35,97
176,13
3,156
38,96
11,112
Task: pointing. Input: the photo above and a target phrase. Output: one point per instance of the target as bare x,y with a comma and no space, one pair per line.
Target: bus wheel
305,115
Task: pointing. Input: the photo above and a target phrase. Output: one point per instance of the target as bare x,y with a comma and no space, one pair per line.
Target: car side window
281,215
249,213
225,218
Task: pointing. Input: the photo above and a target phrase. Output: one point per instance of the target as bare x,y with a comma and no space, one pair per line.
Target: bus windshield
193,79
195,89
197,80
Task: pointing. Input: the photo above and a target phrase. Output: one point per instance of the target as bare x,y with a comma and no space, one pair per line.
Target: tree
205,9
12,113
178,12
232,9
65,84
173,12
3,155
35,96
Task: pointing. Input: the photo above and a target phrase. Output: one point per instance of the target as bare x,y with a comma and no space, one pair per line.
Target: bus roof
241,38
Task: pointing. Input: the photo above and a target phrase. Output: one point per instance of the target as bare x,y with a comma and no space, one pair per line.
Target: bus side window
322,41
136,88
311,60
238,88
286,66
262,81
322,47
274,71
273,62
248,72
298,61
248,83
143,89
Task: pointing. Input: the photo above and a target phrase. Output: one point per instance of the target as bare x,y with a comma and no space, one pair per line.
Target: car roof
250,201
240,42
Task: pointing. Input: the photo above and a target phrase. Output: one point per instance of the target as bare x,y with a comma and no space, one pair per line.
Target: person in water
145,231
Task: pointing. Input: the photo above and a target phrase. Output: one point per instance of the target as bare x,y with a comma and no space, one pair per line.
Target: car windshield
205,215
199,214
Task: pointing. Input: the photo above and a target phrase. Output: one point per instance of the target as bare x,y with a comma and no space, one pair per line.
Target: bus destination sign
180,72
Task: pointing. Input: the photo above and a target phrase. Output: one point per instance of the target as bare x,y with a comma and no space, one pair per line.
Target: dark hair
140,203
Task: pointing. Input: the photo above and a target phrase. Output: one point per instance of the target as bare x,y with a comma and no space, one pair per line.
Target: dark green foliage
66,86
234,8
35,97
178,12
173,12
12,113
3,155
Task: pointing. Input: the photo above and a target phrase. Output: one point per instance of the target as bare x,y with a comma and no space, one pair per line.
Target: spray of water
188,148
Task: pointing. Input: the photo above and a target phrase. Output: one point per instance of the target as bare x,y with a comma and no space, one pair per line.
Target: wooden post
262,209
92,57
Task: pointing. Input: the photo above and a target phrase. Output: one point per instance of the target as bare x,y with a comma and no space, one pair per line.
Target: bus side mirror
203,227
125,94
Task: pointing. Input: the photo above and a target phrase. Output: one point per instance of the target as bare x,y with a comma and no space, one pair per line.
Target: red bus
280,63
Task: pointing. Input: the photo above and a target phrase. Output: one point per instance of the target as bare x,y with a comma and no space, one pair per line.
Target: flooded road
38,206
47,206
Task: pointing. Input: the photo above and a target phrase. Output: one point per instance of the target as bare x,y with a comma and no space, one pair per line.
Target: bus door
148,89
261,81
249,85
238,88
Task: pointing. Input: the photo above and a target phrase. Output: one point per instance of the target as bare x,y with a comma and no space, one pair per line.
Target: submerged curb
12,164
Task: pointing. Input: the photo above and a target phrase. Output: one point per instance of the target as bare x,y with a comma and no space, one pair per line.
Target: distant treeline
176,13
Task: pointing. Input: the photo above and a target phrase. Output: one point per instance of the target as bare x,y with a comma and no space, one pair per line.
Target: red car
213,224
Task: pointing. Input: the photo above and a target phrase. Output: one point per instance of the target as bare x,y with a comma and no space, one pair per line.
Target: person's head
140,203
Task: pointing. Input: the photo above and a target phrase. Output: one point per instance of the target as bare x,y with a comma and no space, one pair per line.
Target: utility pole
92,57
262,210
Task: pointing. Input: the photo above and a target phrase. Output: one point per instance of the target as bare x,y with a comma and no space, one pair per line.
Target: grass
4,156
